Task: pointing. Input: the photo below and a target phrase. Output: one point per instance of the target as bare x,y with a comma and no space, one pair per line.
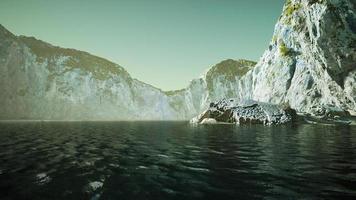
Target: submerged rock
327,121
328,115
248,111
95,185
42,178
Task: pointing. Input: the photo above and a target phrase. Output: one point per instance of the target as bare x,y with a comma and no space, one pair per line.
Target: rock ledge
246,112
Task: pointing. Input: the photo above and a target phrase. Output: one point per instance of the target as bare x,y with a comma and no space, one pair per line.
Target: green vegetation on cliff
283,49
229,69
100,68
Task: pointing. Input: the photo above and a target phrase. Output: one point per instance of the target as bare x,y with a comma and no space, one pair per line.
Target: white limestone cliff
310,64
311,60
41,81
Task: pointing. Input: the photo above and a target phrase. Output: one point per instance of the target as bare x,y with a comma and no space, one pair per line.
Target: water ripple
173,160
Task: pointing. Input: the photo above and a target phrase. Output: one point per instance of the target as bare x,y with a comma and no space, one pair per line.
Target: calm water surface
175,160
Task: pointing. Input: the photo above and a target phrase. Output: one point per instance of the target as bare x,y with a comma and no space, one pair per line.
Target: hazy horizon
163,43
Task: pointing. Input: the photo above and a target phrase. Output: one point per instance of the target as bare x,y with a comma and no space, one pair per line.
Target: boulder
247,111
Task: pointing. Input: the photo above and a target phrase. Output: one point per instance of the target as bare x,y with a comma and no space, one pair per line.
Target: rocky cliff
310,64
221,81
311,60
42,81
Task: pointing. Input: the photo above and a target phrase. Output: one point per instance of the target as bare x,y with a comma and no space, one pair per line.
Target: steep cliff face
41,81
310,63
311,60
221,81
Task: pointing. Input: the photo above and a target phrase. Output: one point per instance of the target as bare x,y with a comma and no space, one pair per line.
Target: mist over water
175,160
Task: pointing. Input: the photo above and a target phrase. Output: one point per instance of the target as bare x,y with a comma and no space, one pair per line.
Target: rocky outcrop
311,60
246,112
310,63
328,115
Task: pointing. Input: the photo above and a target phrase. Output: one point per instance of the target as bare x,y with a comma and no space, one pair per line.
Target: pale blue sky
165,43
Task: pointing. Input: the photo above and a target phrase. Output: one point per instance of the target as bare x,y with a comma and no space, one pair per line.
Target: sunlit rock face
311,60
41,81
